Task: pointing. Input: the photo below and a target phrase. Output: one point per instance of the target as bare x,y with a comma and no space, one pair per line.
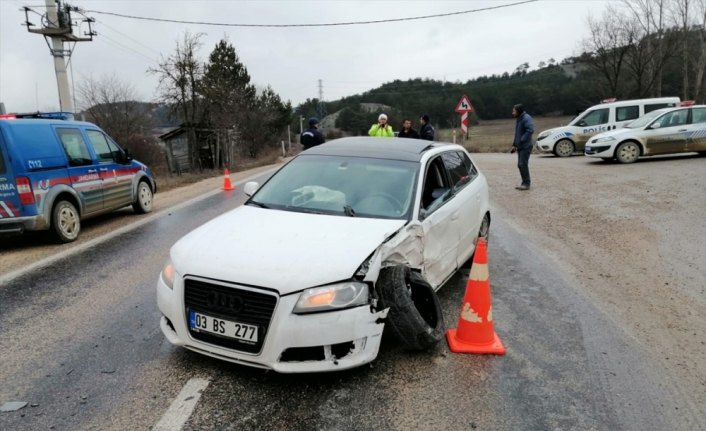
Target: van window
105,151
625,113
698,116
655,106
594,118
75,146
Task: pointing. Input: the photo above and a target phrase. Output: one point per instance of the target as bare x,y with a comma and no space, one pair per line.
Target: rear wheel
65,221
627,152
143,203
564,148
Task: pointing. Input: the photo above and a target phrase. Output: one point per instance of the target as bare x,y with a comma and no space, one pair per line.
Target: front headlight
333,297
544,134
168,274
603,139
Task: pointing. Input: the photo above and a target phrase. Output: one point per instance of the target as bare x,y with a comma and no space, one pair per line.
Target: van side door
83,172
593,122
117,177
696,137
625,114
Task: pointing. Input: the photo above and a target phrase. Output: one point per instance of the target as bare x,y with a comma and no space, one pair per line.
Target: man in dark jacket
427,131
311,137
524,128
407,130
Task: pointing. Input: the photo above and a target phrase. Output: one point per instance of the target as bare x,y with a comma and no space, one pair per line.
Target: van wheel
143,203
65,221
415,313
627,152
564,148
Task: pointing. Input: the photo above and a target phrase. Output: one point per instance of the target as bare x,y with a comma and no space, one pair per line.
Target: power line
380,21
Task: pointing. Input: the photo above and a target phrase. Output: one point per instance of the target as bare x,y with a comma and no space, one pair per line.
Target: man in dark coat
311,137
522,145
407,130
427,131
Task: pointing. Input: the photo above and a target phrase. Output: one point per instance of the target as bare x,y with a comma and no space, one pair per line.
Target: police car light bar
687,103
42,115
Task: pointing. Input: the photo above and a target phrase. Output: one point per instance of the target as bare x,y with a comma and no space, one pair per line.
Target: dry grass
495,136
166,181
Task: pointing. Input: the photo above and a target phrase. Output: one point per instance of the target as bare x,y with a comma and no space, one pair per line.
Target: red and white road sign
464,122
464,105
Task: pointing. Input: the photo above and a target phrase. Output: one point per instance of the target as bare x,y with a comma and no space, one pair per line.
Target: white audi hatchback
347,237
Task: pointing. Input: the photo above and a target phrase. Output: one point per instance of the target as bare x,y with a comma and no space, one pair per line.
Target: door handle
683,130
104,169
92,171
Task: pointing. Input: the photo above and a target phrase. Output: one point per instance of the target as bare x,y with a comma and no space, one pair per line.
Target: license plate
241,331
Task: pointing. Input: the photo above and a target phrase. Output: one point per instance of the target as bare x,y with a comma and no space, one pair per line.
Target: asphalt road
81,344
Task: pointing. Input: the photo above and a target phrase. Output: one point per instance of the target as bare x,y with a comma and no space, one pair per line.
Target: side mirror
250,188
655,125
582,123
125,156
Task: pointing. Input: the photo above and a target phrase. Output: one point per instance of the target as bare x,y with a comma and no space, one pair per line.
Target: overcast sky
348,59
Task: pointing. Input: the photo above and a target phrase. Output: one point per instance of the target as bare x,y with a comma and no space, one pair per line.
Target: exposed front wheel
564,148
627,152
65,221
415,313
143,203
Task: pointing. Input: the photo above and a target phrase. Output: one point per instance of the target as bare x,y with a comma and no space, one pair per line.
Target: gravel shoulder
630,238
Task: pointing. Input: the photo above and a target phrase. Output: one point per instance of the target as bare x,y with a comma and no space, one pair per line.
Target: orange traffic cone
475,333
226,182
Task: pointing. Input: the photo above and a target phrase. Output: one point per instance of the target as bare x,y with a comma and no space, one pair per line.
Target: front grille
229,303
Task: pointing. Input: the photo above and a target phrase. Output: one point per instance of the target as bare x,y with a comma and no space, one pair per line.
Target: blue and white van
56,172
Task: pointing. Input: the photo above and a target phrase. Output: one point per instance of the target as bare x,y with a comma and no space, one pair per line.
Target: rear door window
625,113
698,115
457,170
75,146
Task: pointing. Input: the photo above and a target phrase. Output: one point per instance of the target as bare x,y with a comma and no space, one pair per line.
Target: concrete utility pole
58,27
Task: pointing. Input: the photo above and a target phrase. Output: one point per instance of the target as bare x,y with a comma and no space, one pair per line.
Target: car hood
282,250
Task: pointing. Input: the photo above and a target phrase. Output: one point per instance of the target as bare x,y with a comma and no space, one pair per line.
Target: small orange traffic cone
475,333
226,182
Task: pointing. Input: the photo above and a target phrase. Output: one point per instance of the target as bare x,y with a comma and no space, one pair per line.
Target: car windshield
340,185
644,120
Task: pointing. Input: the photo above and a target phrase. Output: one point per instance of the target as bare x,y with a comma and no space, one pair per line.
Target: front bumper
545,145
293,343
599,150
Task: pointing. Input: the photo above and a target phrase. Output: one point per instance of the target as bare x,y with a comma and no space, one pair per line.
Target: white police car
665,131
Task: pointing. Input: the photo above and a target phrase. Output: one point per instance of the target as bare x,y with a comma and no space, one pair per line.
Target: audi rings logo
225,302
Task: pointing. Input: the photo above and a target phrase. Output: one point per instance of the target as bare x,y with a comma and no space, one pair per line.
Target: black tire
483,231
564,148
627,152
143,200
65,221
415,313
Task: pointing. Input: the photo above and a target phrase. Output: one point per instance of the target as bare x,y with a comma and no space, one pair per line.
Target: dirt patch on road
631,238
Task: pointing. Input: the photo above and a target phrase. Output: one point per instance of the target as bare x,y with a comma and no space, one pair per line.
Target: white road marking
9,276
179,412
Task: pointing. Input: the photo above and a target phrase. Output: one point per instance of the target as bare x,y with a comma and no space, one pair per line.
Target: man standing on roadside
427,131
407,130
311,137
524,128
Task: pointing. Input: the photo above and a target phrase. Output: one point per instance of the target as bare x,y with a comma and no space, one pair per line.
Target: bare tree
608,46
700,80
179,78
652,18
112,105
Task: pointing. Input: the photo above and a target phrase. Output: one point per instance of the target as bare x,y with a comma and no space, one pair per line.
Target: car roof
380,148
42,121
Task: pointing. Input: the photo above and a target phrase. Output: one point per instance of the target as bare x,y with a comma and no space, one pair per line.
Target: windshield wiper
258,204
349,211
